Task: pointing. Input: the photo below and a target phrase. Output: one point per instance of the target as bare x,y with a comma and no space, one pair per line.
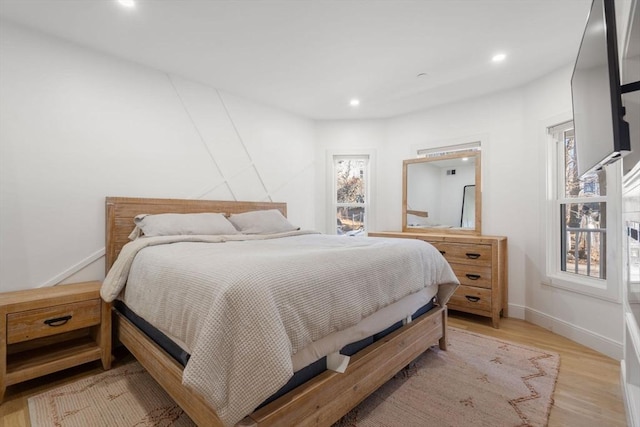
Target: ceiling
310,57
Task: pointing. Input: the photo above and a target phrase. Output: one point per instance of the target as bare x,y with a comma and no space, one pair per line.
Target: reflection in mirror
442,193
468,219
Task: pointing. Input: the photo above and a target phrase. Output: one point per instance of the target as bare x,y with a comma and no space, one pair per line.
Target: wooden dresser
480,263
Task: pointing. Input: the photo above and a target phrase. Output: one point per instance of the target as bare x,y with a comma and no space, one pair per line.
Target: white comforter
244,305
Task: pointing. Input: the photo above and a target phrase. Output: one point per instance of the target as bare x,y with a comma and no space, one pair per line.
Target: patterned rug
479,381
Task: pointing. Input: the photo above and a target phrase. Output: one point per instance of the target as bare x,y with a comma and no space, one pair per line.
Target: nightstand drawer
31,324
465,253
472,275
469,297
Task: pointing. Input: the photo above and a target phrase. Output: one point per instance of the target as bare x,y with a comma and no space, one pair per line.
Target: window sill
589,286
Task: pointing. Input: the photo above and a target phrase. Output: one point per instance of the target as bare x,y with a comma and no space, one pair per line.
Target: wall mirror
442,194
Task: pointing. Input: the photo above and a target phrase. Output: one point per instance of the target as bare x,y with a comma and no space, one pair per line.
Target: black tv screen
601,134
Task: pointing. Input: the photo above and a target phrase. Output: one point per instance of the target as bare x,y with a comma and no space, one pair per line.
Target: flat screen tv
601,134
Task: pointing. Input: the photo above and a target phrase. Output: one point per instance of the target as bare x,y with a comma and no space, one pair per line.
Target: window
351,194
583,212
581,217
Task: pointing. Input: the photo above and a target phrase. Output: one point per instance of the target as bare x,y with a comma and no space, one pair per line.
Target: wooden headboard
122,210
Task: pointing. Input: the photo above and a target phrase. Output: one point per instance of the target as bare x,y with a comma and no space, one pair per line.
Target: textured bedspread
243,305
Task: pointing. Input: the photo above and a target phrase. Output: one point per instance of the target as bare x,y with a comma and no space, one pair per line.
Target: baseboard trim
575,333
629,396
517,311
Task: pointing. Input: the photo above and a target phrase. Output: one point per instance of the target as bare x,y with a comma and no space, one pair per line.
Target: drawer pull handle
473,276
58,321
472,298
472,255
443,252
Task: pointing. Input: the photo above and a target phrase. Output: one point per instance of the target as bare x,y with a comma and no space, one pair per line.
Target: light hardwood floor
587,393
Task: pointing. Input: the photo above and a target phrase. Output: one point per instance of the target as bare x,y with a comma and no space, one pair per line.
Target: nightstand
46,330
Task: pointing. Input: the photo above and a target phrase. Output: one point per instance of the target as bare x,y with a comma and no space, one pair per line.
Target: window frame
609,288
332,156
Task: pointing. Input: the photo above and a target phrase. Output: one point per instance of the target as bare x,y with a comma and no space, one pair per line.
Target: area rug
479,381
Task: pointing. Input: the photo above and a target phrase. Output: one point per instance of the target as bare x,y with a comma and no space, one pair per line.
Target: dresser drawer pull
58,321
473,276
443,252
472,298
472,255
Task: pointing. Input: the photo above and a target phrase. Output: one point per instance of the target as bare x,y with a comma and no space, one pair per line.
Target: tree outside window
350,173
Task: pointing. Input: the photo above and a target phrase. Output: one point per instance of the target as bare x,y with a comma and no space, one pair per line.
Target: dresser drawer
480,264
31,324
469,297
473,275
465,253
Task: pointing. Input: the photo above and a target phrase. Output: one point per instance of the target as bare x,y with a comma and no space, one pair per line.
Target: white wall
437,193
588,320
451,197
77,126
351,137
512,128
426,195
496,120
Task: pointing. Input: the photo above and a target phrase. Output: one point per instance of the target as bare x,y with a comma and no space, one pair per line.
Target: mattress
397,313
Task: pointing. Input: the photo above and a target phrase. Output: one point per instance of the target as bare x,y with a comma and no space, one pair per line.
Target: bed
320,400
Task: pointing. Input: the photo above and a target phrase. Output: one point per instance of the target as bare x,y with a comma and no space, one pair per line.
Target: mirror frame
478,220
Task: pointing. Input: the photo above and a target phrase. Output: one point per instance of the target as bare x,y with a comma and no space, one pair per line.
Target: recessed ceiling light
499,57
127,3
465,159
354,102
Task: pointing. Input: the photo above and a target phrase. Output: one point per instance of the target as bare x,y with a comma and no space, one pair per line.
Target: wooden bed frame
322,400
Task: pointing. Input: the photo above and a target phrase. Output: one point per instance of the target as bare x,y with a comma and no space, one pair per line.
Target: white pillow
172,224
262,222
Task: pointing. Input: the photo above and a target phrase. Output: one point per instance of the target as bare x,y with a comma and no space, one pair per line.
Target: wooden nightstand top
44,297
